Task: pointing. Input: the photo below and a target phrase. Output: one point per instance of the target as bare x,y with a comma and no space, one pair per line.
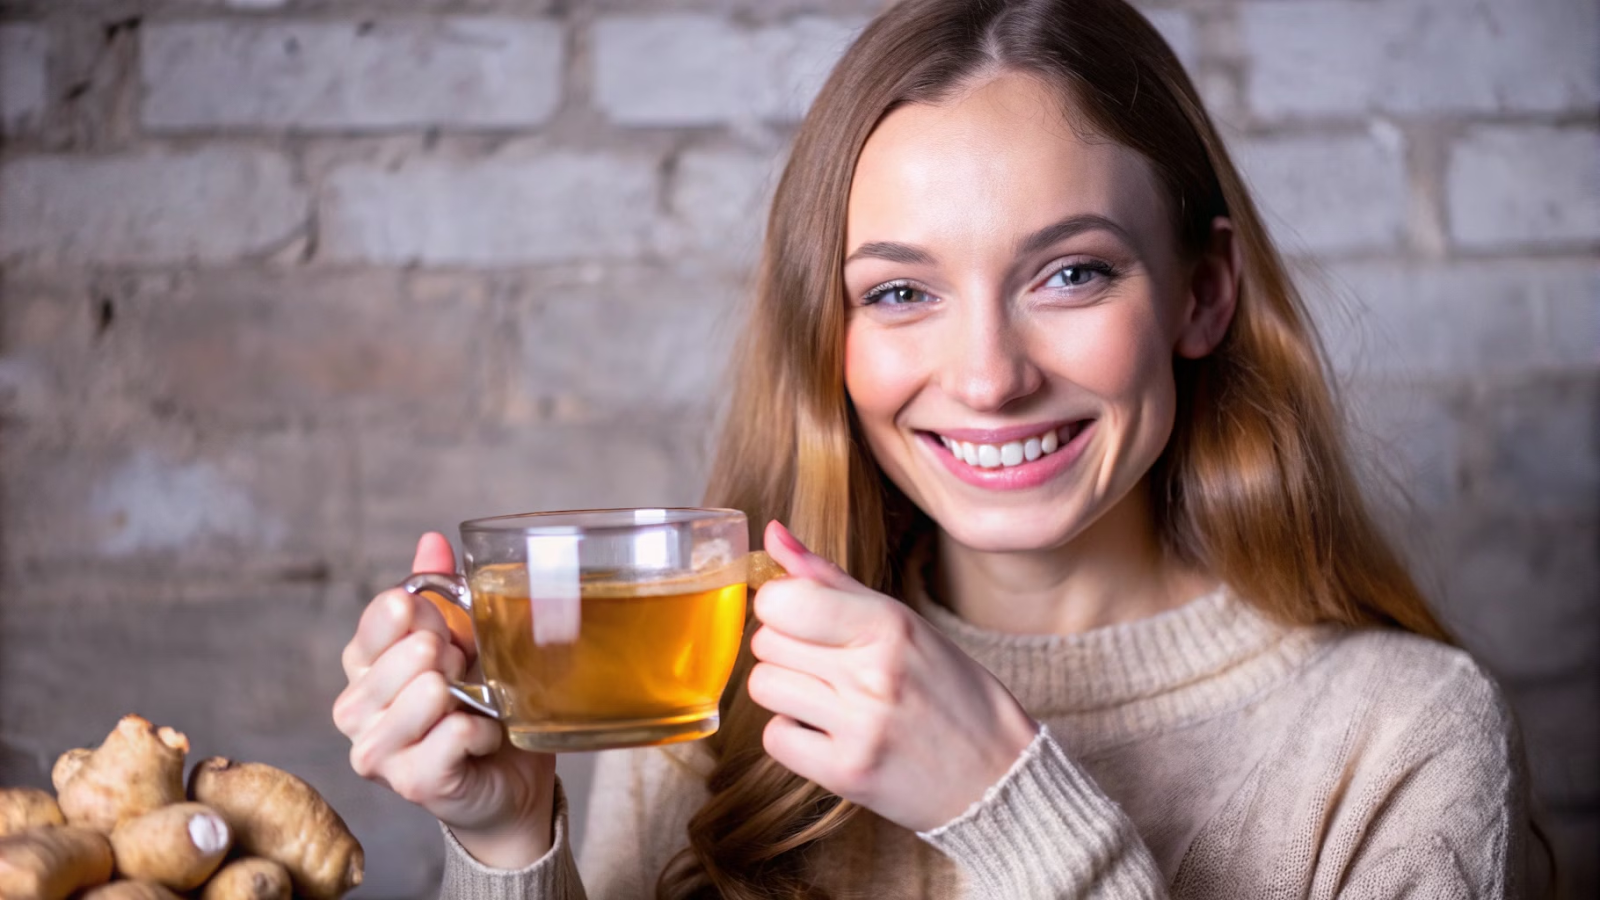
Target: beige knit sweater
1205,752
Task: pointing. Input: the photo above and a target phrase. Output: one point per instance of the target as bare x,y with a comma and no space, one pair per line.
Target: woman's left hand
870,701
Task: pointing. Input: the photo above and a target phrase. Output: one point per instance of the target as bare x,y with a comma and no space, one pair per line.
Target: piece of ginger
138,768
53,862
130,890
176,846
275,815
250,878
24,808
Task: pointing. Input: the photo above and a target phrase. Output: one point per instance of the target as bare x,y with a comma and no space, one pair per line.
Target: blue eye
895,293
1077,275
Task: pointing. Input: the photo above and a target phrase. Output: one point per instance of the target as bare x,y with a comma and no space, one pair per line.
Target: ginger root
250,878
67,766
130,890
137,769
24,808
275,815
53,862
176,846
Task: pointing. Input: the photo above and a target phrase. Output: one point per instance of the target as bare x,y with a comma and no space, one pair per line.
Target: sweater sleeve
1047,830
1449,817
553,876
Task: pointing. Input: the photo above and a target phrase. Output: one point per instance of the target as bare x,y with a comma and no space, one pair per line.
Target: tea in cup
599,629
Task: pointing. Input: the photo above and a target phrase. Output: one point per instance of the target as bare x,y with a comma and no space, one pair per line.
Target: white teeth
1013,453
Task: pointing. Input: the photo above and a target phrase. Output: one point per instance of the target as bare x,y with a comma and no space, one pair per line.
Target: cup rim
549,522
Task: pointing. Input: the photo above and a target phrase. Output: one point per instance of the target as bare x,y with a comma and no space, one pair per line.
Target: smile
1010,459
1011,453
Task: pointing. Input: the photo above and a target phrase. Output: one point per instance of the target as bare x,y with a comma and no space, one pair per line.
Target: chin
1008,531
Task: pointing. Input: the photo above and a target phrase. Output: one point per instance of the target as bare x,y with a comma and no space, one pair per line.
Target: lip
1004,435
1012,478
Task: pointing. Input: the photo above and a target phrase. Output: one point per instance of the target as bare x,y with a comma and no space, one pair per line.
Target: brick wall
284,281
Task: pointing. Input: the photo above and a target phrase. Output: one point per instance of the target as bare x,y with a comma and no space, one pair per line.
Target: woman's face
1016,298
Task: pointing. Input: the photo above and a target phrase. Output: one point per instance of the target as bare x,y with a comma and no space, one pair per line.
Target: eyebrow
908,254
893,252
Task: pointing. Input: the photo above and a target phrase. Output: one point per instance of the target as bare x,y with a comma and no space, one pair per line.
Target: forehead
1003,156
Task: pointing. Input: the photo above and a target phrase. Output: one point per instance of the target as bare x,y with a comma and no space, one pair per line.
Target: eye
895,293
1077,275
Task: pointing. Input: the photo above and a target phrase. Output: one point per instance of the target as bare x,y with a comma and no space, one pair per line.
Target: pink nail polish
789,541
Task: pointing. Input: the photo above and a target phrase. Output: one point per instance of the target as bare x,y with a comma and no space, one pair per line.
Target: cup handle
454,588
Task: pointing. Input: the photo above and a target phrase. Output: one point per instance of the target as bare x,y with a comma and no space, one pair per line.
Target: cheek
879,374
1121,357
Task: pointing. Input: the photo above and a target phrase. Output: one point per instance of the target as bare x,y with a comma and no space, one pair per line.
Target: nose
988,364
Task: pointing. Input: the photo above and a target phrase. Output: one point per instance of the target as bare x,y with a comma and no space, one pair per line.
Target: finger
805,610
461,733
798,695
385,620
391,616
419,706
375,689
432,768
800,562
773,646
434,555
803,751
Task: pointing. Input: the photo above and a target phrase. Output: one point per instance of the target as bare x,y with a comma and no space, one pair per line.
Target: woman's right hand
408,733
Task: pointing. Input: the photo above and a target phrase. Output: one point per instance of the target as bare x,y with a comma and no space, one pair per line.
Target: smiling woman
1082,597
1036,294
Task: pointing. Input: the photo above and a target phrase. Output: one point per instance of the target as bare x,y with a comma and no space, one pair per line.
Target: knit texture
1204,752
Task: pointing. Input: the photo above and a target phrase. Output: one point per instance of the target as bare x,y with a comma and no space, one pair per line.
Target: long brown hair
1254,486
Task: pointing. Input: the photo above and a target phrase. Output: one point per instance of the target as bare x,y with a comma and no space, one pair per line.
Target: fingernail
788,540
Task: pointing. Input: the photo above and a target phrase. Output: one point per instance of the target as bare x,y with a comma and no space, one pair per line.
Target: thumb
787,551
434,554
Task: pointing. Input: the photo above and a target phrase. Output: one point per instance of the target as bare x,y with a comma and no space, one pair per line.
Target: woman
1109,616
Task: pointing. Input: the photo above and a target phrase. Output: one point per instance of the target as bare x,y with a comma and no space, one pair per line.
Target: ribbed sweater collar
1210,654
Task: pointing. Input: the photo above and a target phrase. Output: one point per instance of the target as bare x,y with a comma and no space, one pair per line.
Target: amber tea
601,628
646,662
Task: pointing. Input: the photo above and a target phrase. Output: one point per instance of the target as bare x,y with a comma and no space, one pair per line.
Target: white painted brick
159,501
1462,320
390,72
288,345
1519,591
23,79
550,208
208,205
1524,186
718,202
1177,27
636,340
691,69
1409,437
1544,446
1322,57
412,484
1330,194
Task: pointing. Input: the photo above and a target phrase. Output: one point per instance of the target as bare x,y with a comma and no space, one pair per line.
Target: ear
1213,293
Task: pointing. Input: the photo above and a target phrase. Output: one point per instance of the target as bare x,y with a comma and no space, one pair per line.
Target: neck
1115,571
